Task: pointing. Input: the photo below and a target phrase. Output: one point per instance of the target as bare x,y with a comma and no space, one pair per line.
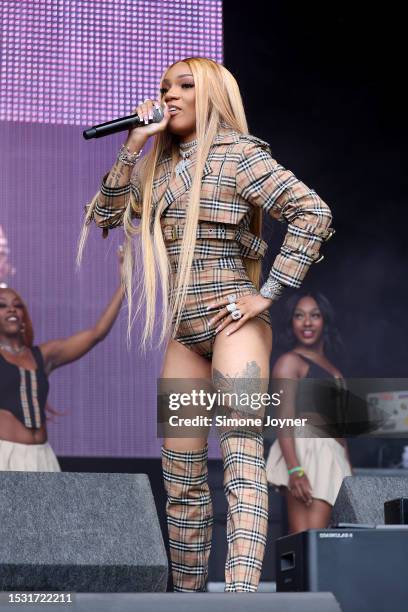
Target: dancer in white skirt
309,465
24,371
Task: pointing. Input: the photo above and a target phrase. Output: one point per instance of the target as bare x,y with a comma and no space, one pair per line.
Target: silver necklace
186,149
184,146
10,349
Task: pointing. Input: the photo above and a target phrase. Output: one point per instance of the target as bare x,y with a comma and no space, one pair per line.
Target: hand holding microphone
149,118
152,119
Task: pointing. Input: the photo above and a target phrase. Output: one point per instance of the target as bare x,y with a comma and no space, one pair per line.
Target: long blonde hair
217,100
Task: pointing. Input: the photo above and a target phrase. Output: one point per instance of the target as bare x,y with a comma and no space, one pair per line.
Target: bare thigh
183,363
302,517
245,354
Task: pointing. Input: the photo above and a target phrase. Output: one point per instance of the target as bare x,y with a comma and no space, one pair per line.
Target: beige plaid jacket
239,174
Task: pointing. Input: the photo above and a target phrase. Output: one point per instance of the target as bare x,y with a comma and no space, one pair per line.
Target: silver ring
231,307
232,298
236,314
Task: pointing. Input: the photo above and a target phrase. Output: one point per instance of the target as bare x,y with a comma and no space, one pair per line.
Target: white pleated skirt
16,457
324,461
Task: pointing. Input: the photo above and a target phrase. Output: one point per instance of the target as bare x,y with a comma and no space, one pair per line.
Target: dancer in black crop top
23,391
310,469
322,392
24,370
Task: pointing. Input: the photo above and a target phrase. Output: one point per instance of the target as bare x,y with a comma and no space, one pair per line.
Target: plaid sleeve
262,181
111,203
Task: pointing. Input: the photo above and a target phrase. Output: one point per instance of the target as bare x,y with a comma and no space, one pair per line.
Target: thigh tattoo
239,394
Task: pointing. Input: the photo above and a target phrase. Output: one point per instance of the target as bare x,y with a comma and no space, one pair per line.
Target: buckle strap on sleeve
324,234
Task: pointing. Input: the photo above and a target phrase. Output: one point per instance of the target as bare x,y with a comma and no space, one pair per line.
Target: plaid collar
226,135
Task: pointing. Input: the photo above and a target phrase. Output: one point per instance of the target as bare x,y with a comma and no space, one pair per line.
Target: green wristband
298,469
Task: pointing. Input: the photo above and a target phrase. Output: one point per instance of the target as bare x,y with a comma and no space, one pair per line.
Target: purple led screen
66,65
81,61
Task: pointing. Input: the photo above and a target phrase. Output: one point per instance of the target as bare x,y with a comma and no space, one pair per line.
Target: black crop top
321,392
343,413
24,392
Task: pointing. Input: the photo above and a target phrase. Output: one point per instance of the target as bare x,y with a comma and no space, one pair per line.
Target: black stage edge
194,602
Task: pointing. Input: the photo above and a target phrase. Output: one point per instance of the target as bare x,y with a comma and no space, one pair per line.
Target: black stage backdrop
322,84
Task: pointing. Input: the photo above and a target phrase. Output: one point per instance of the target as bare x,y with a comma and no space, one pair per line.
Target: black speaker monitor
365,569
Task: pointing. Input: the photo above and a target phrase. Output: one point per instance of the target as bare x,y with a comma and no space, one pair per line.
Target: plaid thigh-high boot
189,517
246,490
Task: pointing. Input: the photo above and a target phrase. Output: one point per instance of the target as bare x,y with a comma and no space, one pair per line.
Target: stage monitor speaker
396,511
361,498
365,569
190,602
79,532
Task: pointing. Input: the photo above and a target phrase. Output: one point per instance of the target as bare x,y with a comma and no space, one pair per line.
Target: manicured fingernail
217,330
209,307
210,322
227,333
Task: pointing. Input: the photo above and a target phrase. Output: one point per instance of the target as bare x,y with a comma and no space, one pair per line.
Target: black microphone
121,124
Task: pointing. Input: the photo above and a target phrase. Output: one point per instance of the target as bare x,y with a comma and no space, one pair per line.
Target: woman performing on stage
24,372
200,192
310,469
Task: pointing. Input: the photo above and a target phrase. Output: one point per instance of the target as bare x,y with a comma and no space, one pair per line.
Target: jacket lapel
172,186
177,185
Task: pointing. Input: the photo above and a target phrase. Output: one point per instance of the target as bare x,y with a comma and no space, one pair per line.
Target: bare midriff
12,430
